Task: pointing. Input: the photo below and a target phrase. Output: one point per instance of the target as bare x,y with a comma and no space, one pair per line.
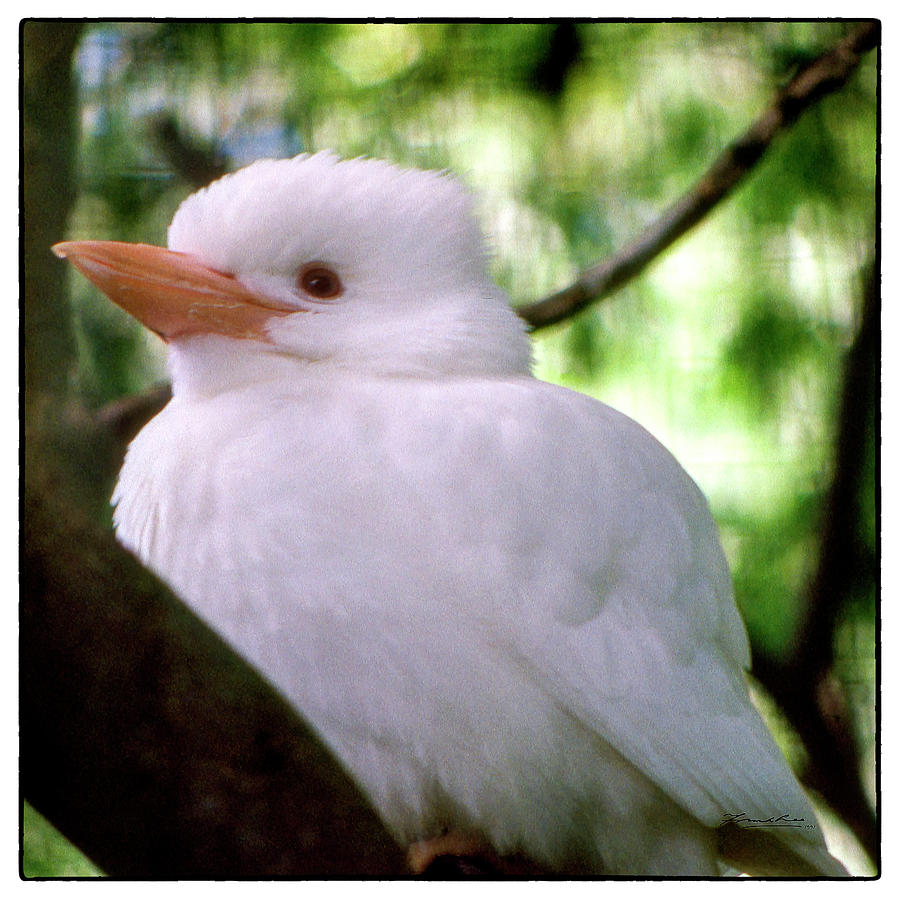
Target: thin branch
126,416
196,163
825,75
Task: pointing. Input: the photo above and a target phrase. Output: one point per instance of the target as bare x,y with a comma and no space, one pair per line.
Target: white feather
502,604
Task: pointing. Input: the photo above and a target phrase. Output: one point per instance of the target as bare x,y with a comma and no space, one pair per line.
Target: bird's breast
468,502
380,552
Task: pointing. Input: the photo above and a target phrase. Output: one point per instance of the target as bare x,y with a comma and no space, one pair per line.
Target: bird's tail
759,852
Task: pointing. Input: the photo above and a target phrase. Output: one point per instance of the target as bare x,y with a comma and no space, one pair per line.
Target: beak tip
61,249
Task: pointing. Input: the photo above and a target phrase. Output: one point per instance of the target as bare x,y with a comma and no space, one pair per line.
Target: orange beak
172,293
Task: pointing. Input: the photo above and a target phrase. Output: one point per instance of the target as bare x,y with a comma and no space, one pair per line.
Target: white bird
502,604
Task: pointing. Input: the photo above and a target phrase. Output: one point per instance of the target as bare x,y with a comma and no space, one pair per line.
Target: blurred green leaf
47,854
770,342
773,560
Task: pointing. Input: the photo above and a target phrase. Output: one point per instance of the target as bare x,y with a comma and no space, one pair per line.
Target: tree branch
804,685
147,741
195,163
825,75
48,100
126,416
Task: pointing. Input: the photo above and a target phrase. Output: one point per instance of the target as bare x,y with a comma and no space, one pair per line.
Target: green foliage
773,560
770,343
47,854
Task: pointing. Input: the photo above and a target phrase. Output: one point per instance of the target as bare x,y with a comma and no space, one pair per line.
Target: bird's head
318,260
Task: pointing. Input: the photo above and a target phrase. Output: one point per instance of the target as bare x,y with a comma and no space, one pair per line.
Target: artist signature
783,821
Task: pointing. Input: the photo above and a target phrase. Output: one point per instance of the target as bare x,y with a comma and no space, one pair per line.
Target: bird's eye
319,281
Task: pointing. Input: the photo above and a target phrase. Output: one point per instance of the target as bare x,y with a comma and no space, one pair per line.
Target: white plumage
501,603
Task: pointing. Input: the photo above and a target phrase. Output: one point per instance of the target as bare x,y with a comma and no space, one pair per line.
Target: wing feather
657,667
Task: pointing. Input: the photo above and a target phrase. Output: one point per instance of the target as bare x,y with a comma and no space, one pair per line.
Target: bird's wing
648,649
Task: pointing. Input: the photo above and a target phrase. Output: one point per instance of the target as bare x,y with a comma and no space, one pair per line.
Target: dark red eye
319,281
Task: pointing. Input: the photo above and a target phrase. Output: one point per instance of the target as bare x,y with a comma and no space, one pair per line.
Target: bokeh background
732,348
